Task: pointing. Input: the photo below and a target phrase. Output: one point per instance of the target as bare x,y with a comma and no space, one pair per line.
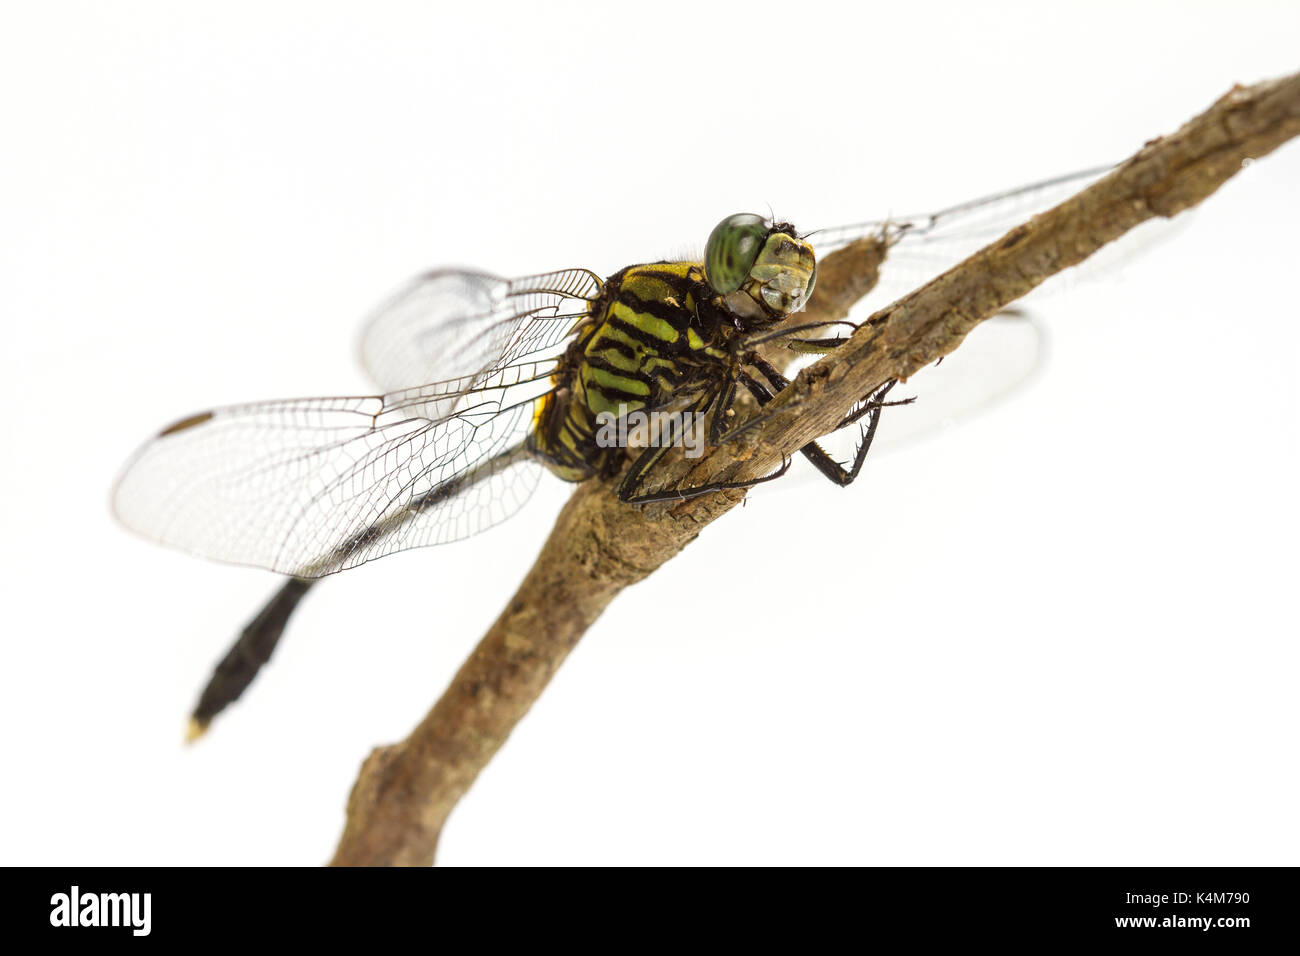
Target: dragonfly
487,382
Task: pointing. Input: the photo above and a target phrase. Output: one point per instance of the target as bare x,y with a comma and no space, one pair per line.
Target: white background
1063,633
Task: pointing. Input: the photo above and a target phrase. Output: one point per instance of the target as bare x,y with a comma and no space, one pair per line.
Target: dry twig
599,546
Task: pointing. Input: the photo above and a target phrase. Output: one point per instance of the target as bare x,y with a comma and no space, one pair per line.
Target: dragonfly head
762,269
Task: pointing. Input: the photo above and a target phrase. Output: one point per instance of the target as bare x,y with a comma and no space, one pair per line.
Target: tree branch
599,545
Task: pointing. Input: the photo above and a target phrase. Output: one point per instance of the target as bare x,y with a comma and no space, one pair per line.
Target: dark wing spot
185,423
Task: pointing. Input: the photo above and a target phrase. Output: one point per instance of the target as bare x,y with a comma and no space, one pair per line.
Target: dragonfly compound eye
733,246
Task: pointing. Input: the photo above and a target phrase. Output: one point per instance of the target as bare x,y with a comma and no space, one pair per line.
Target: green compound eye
733,246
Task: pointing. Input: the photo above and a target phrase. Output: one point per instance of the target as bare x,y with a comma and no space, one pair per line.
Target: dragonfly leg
762,338
814,452
253,649
721,409
816,346
628,489
872,401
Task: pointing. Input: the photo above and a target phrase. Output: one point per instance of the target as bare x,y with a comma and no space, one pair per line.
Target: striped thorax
668,335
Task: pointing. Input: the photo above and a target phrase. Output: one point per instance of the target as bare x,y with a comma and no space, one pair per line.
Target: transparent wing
457,327
925,245
997,360
311,486
1000,357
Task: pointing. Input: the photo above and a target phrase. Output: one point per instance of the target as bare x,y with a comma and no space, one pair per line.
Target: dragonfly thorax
658,336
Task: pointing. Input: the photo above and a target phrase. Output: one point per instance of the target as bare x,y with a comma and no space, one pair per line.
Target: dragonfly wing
311,486
452,325
923,246
999,357
307,487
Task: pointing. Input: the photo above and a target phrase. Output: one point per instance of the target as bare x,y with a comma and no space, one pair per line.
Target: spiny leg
639,469
874,402
815,454
790,331
636,475
625,490
721,409
833,469
779,382
812,451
